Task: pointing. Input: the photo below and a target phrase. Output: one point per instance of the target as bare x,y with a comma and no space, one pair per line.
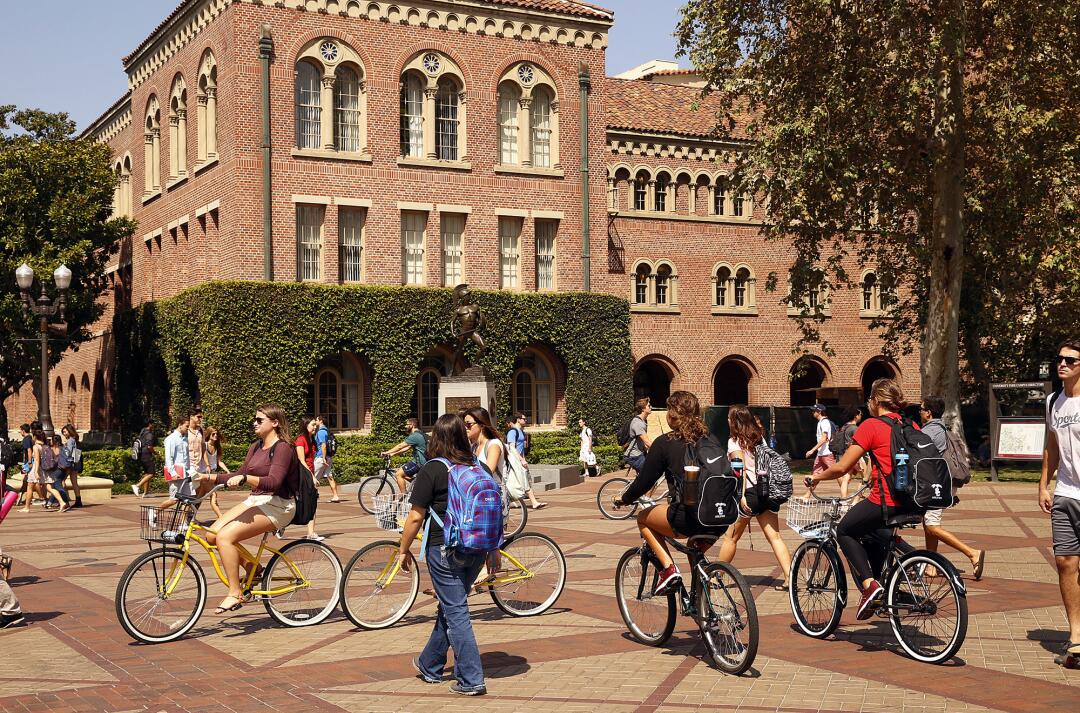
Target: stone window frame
806,309
459,255
206,138
880,296
122,195
341,384
671,304
152,149
360,247
729,307
514,80
178,110
430,68
555,224
421,217
329,110
310,210
535,383
510,256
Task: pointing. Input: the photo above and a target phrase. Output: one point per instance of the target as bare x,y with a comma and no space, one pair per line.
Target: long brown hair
684,417
276,413
450,440
220,445
887,393
482,417
745,428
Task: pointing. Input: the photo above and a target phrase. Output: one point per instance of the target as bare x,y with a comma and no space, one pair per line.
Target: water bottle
690,485
737,467
901,474
772,441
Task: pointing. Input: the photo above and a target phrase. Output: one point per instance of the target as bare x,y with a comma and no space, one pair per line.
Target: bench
94,490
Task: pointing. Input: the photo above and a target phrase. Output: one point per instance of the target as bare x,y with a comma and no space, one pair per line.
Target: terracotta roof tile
640,105
669,73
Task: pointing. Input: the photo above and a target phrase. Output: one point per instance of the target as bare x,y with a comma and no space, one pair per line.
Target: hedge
235,345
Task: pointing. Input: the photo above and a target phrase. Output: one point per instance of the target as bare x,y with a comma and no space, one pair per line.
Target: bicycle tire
517,515
729,617
372,486
607,491
308,605
823,585
361,598
944,584
537,594
630,574
130,620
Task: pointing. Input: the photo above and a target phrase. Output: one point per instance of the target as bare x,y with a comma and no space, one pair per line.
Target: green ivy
234,345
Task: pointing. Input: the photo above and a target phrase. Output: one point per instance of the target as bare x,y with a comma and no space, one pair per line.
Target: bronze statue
466,325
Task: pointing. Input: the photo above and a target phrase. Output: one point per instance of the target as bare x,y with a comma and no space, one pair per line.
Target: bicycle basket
166,526
391,510
810,518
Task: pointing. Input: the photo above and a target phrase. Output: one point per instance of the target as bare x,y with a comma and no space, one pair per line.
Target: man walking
822,455
147,442
324,458
1061,456
197,459
177,462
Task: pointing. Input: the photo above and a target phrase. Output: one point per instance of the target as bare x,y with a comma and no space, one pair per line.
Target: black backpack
836,440
623,434
7,454
718,488
929,484
307,495
331,446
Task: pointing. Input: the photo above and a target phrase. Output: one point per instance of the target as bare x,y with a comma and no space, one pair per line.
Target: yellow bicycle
376,593
156,602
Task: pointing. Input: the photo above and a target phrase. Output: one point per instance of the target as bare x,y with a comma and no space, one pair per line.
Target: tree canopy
56,194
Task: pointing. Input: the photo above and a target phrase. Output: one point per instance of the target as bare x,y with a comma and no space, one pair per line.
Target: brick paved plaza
74,656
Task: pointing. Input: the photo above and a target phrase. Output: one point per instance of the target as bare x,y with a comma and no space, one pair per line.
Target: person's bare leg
248,524
144,484
653,522
770,525
333,487
1068,568
214,505
731,539
844,480
399,476
939,533
74,476
64,504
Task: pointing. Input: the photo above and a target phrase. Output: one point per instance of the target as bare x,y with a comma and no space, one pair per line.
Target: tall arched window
723,279
742,280
663,284
718,198
208,117
178,129
427,407
509,99
347,110
337,391
660,192
641,191
152,146
432,110
412,116
528,118
534,388
447,123
85,398
540,124
126,207
308,106
642,275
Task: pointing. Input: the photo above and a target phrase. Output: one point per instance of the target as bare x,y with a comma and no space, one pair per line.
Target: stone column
155,134
525,131
181,142
174,126
200,117
428,122
211,122
326,119
148,163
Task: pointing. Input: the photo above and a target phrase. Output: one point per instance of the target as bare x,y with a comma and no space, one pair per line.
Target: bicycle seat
905,520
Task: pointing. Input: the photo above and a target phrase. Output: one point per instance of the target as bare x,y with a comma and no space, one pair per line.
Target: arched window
73,401
337,391
126,207
152,146
642,275
660,193
347,110
427,408
723,286
178,130
731,382
540,124
534,388
447,124
816,298
412,116
734,289
308,106
509,99
663,284
742,280
641,191
207,118
84,402
718,198
874,296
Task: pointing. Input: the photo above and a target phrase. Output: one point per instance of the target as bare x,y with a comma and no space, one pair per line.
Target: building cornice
469,17
642,143
111,122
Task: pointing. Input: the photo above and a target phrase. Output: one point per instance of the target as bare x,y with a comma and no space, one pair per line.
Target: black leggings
864,526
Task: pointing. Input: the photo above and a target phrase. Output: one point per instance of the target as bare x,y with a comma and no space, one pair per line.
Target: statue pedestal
473,387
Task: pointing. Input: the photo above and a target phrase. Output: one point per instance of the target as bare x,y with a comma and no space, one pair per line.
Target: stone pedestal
472,387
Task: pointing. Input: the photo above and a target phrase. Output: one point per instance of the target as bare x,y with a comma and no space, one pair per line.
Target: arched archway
876,368
807,375
538,385
652,381
337,392
731,382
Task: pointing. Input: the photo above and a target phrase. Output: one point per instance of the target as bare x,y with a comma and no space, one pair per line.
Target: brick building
439,141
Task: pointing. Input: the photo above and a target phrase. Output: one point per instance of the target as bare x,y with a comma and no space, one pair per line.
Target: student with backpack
73,460
325,450
947,443
465,526
821,453
142,451
874,436
762,467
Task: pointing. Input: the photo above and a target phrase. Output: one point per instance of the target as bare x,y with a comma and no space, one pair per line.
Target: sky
64,55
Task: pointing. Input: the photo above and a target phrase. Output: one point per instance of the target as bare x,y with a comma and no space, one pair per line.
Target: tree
56,194
922,139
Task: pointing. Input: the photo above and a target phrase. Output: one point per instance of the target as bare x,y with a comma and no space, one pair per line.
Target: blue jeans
636,462
452,576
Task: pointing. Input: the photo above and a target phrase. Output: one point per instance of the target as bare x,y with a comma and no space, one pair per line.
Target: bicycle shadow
499,664
691,646
1050,639
493,613
880,638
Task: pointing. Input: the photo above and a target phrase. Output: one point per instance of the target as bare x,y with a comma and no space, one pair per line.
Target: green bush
235,345
116,464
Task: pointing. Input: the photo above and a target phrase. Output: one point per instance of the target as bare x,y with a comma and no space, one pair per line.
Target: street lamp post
45,308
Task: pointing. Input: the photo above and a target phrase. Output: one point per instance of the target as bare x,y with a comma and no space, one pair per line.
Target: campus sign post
1015,438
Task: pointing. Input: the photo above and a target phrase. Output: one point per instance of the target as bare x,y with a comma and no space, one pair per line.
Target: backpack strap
1050,401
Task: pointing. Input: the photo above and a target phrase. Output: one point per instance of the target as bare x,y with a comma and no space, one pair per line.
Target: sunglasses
257,421
470,424
1067,360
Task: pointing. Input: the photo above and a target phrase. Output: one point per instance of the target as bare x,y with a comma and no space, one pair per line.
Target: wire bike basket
164,526
811,518
391,511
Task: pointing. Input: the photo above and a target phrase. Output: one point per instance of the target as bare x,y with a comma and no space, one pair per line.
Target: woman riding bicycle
666,457
868,517
272,474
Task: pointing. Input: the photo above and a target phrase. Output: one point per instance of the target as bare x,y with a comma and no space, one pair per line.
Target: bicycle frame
394,566
687,601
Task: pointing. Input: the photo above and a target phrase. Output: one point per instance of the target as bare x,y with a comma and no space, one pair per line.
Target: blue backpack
473,522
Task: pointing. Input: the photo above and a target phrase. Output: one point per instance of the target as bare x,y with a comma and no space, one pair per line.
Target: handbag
590,458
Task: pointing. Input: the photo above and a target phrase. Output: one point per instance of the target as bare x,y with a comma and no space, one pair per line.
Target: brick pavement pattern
74,656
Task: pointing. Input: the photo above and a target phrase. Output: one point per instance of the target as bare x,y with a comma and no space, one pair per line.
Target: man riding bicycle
417,441
640,442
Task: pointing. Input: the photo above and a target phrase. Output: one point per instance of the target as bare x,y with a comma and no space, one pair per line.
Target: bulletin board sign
1020,438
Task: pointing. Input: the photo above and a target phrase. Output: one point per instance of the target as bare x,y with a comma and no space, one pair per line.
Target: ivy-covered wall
238,344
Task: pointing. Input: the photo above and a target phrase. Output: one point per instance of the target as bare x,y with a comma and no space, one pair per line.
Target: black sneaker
669,577
8,620
456,688
870,597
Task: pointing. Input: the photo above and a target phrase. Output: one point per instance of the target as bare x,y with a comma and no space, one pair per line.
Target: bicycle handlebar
849,498
191,500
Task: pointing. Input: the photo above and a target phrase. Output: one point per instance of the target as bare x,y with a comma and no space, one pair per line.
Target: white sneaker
135,489
317,538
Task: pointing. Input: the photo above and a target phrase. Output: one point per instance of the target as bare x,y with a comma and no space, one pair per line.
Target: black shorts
146,461
685,523
759,504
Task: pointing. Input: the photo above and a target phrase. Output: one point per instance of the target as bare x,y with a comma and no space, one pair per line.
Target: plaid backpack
473,522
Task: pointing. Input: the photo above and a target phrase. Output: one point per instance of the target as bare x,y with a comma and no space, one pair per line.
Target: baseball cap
819,407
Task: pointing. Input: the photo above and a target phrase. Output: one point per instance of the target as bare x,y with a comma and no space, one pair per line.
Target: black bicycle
719,600
925,599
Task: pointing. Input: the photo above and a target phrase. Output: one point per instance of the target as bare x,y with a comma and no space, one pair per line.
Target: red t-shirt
304,442
873,435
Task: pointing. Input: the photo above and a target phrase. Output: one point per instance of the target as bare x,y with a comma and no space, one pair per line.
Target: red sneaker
868,603
669,577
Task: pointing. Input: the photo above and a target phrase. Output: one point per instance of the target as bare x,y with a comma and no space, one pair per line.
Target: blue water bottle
902,476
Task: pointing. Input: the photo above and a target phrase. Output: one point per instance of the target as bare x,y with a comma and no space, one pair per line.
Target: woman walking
34,473
73,456
54,459
746,434
305,453
452,573
214,449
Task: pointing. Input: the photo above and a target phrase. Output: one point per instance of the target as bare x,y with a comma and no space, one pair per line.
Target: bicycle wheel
516,517
539,580
367,598
146,611
727,617
302,560
375,485
813,590
607,491
649,618
928,613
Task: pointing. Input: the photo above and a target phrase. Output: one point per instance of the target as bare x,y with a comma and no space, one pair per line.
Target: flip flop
781,587
539,506
224,610
980,564
335,500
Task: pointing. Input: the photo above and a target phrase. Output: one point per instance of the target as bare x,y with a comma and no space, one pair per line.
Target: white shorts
279,510
932,518
322,469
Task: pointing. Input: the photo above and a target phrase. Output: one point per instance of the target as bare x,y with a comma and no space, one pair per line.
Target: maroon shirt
277,475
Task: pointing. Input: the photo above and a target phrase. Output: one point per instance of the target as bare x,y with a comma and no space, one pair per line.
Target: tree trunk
940,353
